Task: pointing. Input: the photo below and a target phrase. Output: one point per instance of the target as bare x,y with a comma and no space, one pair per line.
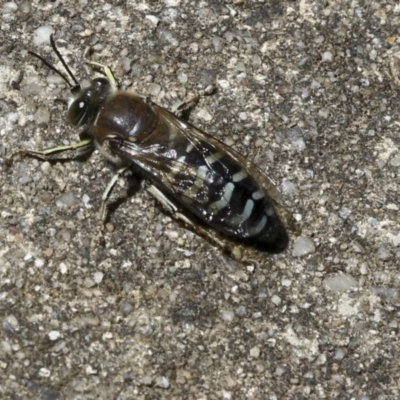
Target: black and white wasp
186,166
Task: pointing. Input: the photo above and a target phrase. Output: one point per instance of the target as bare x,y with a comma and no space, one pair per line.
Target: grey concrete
147,309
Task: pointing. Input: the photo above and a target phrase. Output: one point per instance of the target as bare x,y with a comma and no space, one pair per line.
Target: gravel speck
98,277
44,373
276,300
42,35
303,246
66,200
162,382
327,56
255,352
54,335
340,282
383,253
147,381
227,316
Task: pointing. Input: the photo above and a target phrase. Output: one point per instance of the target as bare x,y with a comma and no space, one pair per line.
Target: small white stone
86,200
243,116
10,7
54,335
276,300
90,370
327,56
12,321
39,263
227,315
172,3
255,352
340,282
63,268
303,246
44,373
162,382
42,35
153,19
98,277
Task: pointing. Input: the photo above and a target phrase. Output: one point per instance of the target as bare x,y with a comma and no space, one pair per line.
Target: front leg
72,151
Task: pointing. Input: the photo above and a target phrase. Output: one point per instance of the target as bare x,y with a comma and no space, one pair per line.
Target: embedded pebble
288,187
10,6
227,316
280,370
241,311
255,352
6,347
204,114
45,167
327,56
276,300
126,308
340,282
162,382
66,200
217,44
43,115
24,180
88,283
54,335
386,293
340,353
63,268
44,373
243,116
146,380
383,253
321,360
182,78
303,246
395,161
295,138
344,212
98,277
154,89
323,113
86,200
12,322
42,35
167,36
153,19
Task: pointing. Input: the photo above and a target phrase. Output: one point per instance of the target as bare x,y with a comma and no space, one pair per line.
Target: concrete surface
147,309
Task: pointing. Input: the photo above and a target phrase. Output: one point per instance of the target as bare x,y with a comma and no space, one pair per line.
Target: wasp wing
211,180
197,137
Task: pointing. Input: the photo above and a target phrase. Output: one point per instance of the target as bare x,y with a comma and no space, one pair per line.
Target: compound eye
77,112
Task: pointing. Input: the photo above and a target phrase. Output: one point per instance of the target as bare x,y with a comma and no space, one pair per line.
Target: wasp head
86,103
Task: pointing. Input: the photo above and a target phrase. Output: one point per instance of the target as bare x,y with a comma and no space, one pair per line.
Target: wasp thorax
86,104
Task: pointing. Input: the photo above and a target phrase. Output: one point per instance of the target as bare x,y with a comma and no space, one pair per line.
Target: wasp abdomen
219,190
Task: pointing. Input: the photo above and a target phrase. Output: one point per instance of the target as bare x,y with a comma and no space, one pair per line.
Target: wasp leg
174,211
107,192
107,72
60,153
183,109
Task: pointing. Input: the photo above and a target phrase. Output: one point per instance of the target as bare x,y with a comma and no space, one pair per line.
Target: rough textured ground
146,309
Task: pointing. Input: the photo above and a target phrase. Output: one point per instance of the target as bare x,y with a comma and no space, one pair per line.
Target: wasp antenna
54,47
45,62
